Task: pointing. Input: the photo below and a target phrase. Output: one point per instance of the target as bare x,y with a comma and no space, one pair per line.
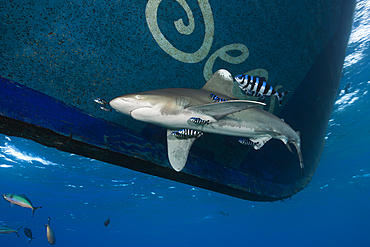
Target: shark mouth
136,109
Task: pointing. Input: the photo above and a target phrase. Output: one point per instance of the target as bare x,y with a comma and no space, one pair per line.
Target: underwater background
79,193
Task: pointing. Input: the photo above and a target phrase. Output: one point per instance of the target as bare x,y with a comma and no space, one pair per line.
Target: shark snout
116,102
121,105
128,103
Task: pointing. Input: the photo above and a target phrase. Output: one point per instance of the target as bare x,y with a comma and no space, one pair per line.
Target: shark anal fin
178,150
287,145
224,108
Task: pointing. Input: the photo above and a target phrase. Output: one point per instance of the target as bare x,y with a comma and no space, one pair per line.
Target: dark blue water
79,193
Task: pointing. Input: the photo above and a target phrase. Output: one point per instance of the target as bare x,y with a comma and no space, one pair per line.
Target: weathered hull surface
58,57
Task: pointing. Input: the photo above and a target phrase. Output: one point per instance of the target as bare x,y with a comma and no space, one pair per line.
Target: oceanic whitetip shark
177,108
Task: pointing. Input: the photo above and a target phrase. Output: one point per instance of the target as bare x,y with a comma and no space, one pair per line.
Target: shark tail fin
299,152
221,82
280,96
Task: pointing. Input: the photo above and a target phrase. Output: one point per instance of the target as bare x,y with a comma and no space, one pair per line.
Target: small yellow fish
49,233
20,200
6,229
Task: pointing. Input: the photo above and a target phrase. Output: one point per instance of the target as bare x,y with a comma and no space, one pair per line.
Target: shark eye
138,97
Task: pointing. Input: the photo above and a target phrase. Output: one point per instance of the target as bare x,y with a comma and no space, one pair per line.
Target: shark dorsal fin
178,150
221,82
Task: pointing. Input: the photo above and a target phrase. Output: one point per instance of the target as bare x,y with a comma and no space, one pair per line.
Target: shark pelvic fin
221,109
178,150
260,141
221,82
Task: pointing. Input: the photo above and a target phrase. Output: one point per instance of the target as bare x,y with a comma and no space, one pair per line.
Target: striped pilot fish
257,86
187,133
215,98
198,120
246,141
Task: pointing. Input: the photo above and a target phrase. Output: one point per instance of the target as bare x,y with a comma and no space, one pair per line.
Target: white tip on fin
178,150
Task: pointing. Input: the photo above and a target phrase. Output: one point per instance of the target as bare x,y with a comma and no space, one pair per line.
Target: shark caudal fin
178,150
297,144
299,152
280,96
221,82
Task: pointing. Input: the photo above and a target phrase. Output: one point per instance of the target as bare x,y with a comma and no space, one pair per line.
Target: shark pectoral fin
221,109
178,150
260,141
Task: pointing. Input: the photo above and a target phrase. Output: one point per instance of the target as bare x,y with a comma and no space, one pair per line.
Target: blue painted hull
58,57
